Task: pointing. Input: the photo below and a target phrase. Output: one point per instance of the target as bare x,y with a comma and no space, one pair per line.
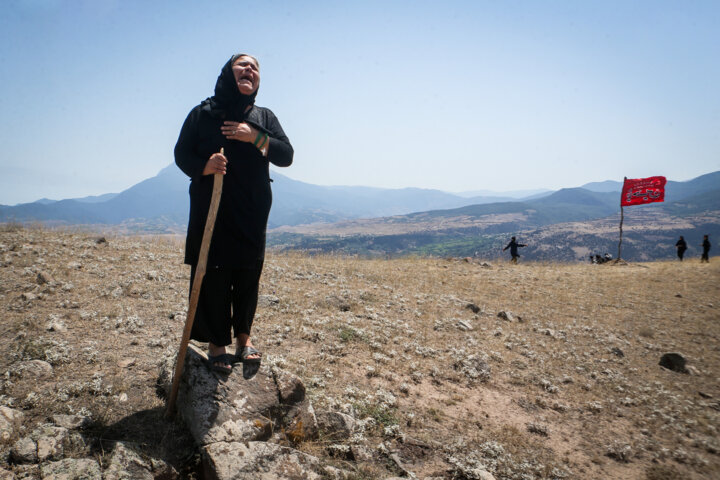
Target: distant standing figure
513,246
681,246
706,250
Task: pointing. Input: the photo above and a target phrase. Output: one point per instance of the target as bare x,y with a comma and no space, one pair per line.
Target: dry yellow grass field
565,384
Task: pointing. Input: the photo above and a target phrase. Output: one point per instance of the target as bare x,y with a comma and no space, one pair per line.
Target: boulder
674,362
262,461
32,369
26,472
231,408
70,421
6,475
10,419
24,451
46,442
51,441
336,425
232,417
126,464
72,469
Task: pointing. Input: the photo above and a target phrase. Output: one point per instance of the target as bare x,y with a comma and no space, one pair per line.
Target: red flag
638,191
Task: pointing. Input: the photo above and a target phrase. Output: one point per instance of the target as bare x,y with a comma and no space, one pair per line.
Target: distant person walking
513,246
706,250
681,246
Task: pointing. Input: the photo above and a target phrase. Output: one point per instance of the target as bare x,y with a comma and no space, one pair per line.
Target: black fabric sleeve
280,152
185,154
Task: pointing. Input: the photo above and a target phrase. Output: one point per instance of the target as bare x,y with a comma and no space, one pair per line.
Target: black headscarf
228,102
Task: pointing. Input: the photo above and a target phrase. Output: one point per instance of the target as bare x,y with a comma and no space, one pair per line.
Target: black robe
239,237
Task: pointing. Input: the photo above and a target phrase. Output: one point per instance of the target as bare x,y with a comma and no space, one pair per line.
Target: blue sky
450,95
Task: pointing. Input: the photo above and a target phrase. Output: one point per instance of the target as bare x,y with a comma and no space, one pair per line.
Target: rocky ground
437,368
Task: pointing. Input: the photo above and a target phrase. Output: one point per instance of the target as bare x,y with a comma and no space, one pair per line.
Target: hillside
160,204
443,368
567,225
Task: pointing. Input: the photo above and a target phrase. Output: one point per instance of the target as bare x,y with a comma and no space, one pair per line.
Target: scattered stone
472,307
474,367
674,362
26,472
401,465
336,425
71,422
125,464
361,453
616,351
100,240
508,316
126,362
56,325
44,278
261,461
538,429
28,296
464,326
32,369
152,275
72,469
24,451
619,451
10,420
6,475
704,395
162,470
50,442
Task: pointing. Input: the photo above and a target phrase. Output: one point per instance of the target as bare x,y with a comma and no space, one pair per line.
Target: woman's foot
219,359
245,351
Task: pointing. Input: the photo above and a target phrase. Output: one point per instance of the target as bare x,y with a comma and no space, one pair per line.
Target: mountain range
369,220
163,199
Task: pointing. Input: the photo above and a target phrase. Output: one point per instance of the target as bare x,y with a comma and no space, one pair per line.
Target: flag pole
622,217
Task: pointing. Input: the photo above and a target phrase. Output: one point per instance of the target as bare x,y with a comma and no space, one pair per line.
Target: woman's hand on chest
240,131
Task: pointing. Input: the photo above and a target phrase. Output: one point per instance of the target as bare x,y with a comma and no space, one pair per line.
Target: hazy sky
452,95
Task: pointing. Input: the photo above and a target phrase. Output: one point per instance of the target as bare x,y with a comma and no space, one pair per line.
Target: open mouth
246,78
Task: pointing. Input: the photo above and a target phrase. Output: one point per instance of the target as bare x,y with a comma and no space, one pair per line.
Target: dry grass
569,389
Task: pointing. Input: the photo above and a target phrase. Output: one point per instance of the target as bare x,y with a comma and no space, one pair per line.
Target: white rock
71,469
10,419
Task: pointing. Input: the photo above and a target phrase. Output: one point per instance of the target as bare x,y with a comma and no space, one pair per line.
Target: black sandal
225,359
246,352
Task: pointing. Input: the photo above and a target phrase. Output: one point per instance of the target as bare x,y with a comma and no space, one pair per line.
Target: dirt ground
536,370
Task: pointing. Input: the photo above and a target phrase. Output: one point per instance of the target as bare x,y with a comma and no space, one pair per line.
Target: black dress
237,248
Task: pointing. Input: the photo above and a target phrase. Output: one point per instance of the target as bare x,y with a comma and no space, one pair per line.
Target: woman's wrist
261,140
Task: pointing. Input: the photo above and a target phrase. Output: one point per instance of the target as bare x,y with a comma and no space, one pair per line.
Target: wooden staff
195,291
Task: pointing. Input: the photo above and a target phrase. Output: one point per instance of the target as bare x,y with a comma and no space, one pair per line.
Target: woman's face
247,74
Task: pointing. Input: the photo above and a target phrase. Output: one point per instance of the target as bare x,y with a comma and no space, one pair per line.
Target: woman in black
681,246
251,137
705,257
